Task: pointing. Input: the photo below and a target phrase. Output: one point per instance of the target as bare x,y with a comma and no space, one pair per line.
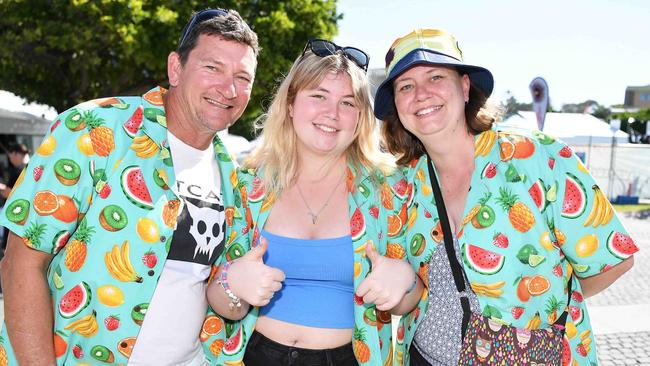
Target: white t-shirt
170,332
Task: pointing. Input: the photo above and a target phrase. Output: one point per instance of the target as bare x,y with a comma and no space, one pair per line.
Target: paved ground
624,348
634,286
621,314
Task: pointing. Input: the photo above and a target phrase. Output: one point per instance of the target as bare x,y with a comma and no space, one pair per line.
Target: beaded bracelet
223,281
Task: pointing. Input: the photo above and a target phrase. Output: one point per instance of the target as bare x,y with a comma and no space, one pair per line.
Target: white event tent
572,128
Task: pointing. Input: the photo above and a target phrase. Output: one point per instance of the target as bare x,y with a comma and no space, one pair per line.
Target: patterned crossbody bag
490,342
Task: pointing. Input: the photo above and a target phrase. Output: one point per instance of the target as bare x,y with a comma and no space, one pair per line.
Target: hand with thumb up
252,280
388,281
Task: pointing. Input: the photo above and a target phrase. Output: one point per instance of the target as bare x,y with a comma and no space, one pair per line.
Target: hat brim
480,77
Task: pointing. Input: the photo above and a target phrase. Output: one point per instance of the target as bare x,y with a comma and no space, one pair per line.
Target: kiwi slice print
138,313
113,218
103,354
235,251
417,244
485,216
75,121
67,171
17,211
158,178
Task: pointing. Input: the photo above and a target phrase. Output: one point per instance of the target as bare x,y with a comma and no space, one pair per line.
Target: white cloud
11,102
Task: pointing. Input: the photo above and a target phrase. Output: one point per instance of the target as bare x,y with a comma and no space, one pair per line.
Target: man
120,214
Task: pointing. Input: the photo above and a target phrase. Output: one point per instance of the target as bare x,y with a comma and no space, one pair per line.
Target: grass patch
631,208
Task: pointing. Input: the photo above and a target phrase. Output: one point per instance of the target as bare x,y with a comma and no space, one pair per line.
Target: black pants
416,358
262,351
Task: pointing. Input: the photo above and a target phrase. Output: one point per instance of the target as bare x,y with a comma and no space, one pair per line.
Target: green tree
589,106
511,106
602,112
640,119
61,53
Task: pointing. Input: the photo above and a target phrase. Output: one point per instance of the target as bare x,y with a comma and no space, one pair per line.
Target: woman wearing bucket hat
325,202
516,238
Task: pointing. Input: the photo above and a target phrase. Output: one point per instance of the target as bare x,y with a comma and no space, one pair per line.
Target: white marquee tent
572,128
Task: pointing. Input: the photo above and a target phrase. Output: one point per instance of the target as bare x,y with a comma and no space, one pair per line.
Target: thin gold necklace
314,216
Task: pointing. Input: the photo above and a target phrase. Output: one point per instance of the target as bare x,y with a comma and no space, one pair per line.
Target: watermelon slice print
481,260
132,125
575,198
257,193
538,194
621,245
134,187
357,225
75,300
400,189
235,344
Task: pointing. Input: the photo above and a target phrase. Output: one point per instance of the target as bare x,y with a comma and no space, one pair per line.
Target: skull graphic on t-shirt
199,236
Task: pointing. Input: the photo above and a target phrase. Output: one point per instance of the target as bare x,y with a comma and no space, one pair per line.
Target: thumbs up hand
388,281
256,254
252,280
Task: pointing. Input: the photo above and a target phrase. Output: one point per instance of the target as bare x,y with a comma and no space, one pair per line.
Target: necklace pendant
314,218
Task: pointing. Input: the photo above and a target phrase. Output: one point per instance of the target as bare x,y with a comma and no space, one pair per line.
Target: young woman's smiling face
325,118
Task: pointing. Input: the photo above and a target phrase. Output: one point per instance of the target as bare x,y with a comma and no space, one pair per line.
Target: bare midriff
300,336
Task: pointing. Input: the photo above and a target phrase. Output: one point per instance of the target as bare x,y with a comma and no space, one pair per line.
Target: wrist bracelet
223,281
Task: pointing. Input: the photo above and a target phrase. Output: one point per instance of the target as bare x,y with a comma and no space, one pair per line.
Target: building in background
20,127
637,97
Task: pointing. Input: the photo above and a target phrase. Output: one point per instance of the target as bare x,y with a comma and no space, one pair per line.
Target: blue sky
584,49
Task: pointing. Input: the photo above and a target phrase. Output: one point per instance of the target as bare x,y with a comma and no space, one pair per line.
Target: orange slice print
394,225
538,285
506,150
387,197
524,148
45,203
211,326
155,97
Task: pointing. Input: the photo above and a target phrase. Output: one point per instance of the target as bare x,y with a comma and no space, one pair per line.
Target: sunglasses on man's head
197,19
323,48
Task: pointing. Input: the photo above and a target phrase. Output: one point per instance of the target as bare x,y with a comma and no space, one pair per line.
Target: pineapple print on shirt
533,217
96,195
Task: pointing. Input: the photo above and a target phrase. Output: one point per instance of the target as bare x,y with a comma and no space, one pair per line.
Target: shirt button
294,354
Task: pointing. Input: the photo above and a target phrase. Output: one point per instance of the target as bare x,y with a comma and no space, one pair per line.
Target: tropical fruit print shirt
97,196
377,217
533,216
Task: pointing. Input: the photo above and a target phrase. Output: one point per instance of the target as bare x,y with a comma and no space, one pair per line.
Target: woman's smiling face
430,99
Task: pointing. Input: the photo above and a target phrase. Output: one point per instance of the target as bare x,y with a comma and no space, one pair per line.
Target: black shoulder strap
456,268
563,318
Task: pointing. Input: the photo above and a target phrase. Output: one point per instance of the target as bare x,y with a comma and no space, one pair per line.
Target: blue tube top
318,290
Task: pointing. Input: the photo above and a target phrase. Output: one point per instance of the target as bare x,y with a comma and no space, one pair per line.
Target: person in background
18,156
321,286
532,229
109,222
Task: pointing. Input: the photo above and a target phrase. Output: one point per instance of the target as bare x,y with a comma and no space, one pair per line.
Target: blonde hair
277,153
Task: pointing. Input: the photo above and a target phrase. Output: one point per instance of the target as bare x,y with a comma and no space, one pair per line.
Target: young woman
531,231
320,287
